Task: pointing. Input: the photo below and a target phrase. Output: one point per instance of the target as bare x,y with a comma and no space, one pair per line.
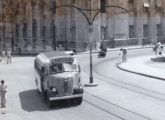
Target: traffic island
158,59
143,66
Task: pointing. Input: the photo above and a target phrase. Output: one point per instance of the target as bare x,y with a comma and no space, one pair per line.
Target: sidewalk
118,48
144,66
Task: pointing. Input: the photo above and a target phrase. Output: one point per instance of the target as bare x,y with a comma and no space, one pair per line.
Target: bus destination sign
63,60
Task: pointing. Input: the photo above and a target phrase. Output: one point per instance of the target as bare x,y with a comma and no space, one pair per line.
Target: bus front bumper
65,97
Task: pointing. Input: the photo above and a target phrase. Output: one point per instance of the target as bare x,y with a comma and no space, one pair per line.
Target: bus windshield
63,67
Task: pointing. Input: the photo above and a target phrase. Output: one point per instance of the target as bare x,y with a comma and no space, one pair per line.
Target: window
103,32
44,31
145,30
56,68
24,9
54,7
158,29
146,3
158,3
33,4
17,30
131,5
38,66
34,28
53,29
63,67
17,9
24,30
131,31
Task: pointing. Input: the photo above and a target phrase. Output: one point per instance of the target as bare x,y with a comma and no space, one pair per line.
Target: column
29,20
163,17
152,22
139,20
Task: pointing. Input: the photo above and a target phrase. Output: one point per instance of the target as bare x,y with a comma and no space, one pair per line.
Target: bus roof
46,56
53,54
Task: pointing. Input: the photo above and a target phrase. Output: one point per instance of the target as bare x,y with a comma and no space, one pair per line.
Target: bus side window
42,70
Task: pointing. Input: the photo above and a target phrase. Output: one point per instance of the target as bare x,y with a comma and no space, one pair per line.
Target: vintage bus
57,77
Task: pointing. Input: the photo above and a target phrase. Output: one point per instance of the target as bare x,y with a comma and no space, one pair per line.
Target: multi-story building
36,25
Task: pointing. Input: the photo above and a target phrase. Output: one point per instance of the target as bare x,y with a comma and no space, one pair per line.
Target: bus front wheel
79,100
49,102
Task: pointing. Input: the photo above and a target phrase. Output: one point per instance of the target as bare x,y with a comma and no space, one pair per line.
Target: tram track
128,86
129,115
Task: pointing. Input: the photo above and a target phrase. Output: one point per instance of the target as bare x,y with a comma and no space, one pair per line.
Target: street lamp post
91,46
91,83
90,23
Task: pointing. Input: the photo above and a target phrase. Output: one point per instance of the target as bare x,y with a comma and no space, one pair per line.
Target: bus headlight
81,87
54,89
78,89
78,86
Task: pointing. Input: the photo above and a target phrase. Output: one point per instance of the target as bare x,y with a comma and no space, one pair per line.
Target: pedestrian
144,42
3,91
3,55
161,51
124,56
120,55
74,51
98,45
158,48
8,56
155,49
60,47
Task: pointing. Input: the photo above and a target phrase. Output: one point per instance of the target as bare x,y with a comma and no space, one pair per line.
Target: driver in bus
56,68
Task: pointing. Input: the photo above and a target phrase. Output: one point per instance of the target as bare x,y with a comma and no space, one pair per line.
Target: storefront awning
146,3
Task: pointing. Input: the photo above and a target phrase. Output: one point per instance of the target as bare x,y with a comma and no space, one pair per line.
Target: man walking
3,90
8,56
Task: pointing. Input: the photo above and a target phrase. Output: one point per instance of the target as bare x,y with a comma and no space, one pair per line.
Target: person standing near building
3,55
3,91
98,45
155,49
120,55
161,51
8,56
124,56
158,48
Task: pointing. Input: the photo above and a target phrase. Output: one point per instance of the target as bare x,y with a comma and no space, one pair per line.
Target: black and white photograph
82,60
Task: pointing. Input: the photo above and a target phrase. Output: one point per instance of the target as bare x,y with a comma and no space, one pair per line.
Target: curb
151,76
117,49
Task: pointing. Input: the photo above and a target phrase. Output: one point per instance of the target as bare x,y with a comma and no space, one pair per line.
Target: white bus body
58,77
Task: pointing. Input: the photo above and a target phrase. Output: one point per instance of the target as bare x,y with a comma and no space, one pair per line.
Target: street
119,95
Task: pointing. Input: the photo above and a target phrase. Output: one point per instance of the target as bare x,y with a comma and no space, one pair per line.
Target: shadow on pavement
32,101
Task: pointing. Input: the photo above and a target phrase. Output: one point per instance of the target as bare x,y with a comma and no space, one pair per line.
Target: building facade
37,25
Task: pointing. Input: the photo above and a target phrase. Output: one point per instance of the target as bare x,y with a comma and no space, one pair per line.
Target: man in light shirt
3,91
3,55
8,56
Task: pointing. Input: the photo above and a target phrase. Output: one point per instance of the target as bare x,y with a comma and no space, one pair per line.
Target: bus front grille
65,87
